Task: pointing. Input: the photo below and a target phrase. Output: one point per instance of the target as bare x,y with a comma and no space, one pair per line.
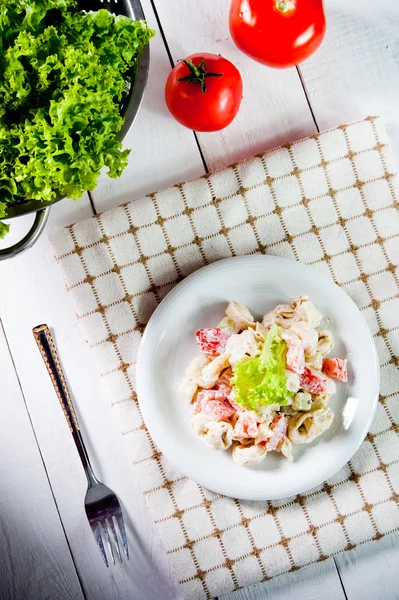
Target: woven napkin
328,201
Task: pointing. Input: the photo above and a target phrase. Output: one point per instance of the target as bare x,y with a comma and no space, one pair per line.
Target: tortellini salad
258,387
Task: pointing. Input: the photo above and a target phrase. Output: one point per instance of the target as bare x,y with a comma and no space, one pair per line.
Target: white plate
168,345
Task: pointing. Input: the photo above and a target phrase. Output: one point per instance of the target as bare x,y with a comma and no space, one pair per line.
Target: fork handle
49,354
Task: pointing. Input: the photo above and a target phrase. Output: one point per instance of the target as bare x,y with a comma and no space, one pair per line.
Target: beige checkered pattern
328,201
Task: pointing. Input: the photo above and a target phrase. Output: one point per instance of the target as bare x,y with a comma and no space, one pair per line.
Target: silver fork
101,504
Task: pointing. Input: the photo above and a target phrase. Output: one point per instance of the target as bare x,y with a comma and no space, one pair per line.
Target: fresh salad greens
63,76
262,380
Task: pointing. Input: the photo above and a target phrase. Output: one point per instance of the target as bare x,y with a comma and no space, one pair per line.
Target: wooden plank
274,109
35,559
310,583
355,72
33,292
371,570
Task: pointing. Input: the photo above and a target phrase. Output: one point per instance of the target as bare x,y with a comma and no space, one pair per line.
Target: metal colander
131,103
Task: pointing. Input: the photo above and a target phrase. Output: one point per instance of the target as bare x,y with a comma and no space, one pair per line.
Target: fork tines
101,531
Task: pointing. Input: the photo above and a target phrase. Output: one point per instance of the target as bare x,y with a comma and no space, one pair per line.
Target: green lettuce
4,228
64,76
261,380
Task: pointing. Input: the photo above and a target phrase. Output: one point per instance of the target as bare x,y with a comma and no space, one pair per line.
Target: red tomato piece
246,426
337,368
313,381
223,383
214,404
204,92
212,341
295,358
279,427
277,33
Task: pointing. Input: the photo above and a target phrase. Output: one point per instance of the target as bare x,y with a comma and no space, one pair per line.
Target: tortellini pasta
216,434
307,426
325,342
284,315
187,388
306,310
240,315
239,346
248,455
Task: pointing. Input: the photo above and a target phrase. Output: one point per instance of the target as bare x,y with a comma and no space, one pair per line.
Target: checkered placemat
328,201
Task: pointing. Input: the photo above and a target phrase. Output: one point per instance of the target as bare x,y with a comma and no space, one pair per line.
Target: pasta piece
325,341
293,381
248,455
241,345
307,334
264,432
216,434
284,315
228,325
260,332
199,423
211,372
240,315
219,435
194,369
308,426
246,426
289,410
315,361
285,447
306,311
188,388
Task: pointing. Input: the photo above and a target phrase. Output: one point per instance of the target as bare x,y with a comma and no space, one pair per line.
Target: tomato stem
197,74
285,6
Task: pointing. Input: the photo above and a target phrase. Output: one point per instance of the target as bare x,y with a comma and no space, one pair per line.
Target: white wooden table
47,550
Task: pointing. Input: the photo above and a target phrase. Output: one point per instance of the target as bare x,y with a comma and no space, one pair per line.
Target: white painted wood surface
33,292
354,73
32,540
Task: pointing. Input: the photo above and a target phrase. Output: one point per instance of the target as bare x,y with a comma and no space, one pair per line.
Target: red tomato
214,405
277,33
279,428
313,381
337,368
204,92
212,341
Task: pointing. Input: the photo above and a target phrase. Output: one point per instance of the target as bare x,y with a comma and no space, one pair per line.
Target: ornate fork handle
49,353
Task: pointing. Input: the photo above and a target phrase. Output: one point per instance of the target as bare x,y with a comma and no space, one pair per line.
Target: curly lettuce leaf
64,75
4,228
261,380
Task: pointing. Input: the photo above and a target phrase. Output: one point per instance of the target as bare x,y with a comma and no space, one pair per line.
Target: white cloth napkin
329,201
